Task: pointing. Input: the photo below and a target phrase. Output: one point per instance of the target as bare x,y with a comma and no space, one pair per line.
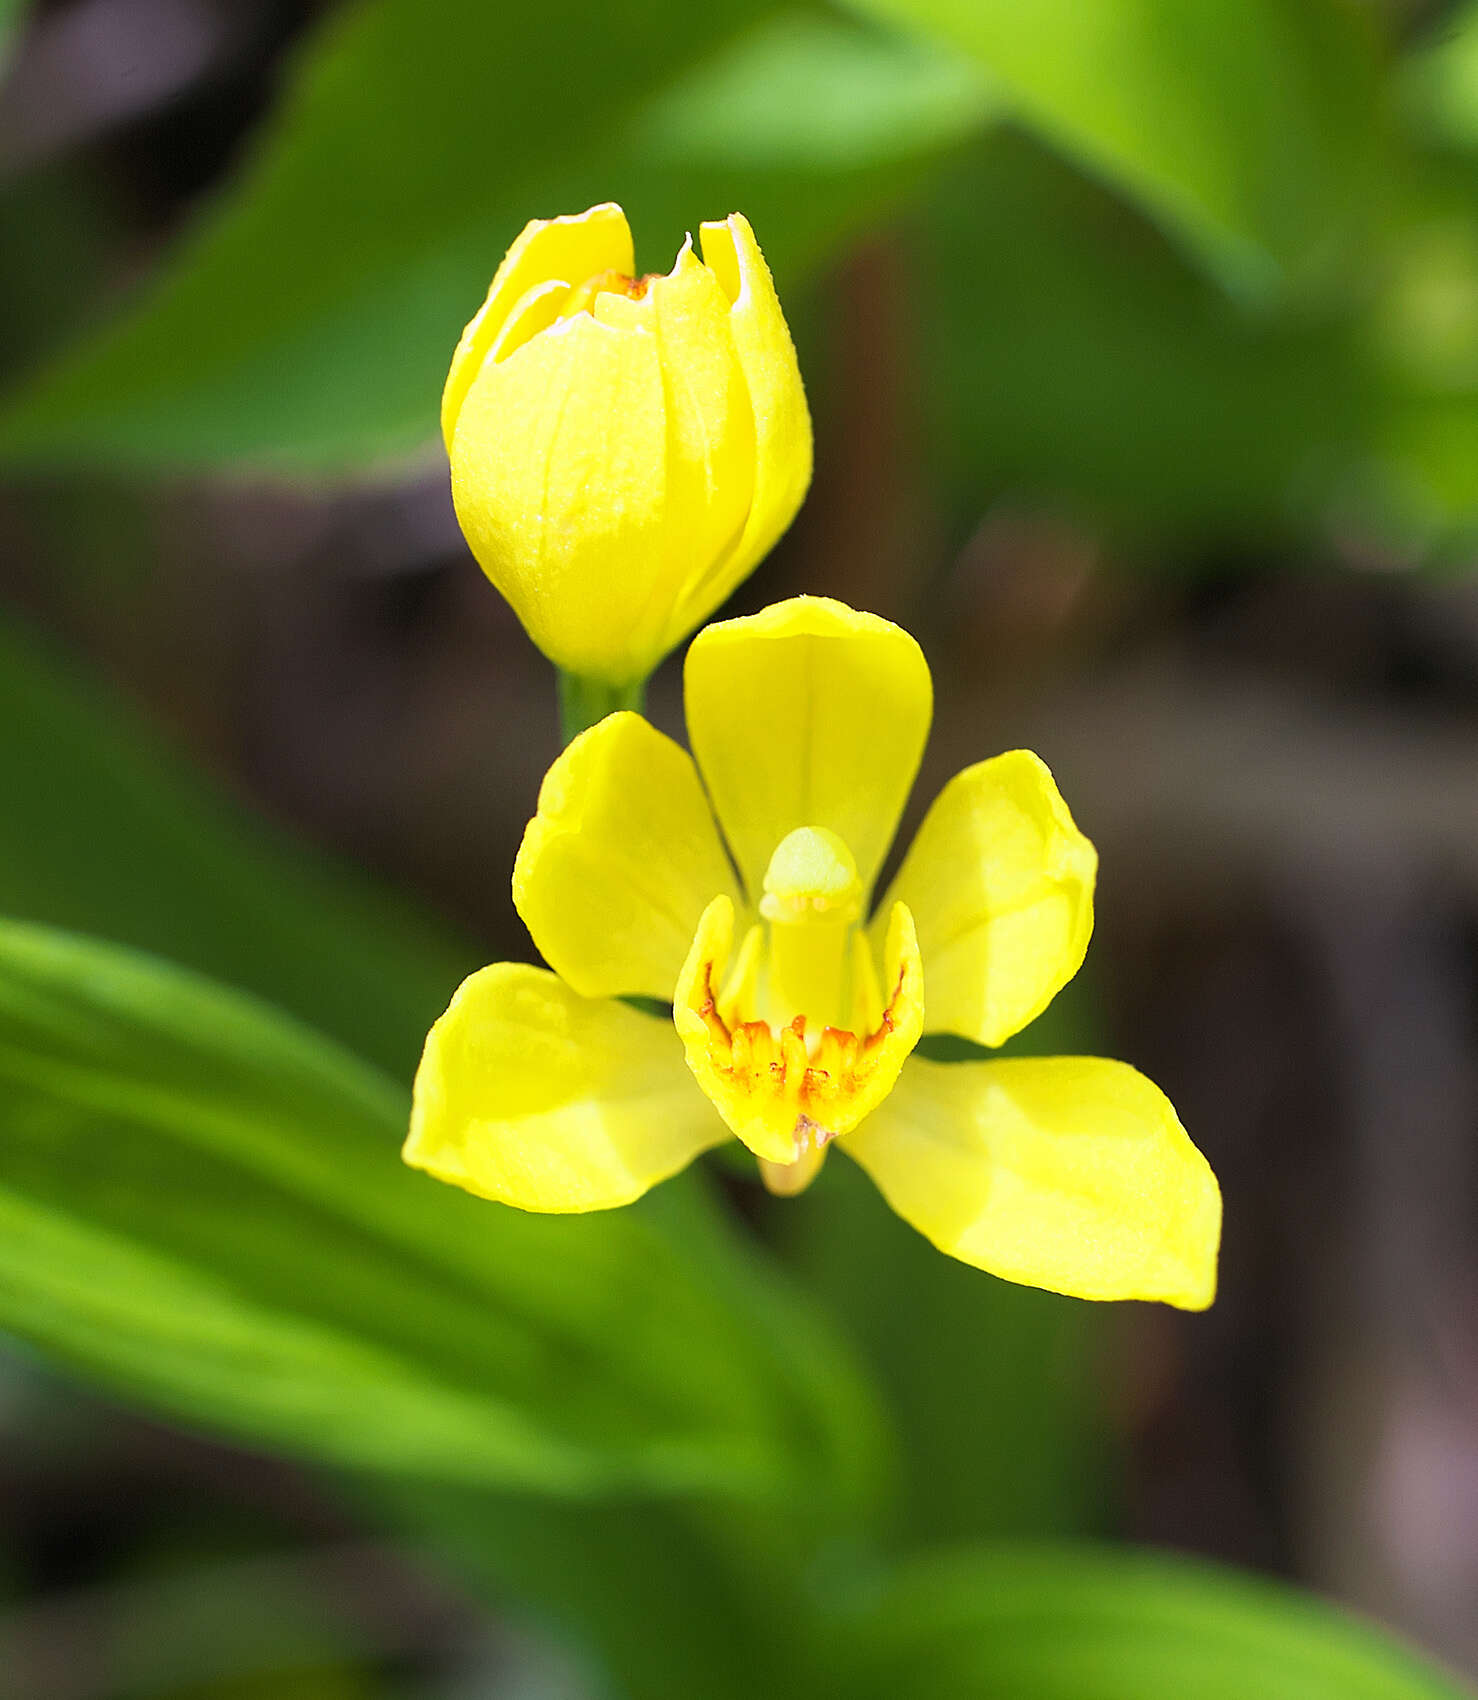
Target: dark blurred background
1206,551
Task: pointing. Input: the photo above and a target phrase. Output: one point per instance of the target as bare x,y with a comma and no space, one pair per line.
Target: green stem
582,701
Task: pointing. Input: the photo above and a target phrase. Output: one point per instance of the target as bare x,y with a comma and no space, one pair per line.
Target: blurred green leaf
1249,131
10,16
675,1598
812,92
202,1205
57,234
1439,80
1075,361
103,831
309,323
1023,1623
1418,494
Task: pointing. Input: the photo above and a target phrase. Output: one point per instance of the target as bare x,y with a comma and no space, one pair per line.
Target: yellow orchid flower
807,722
624,450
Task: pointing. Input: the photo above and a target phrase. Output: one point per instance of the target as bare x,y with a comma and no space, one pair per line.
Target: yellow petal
711,436
1070,1173
782,421
601,464
559,479
571,249
532,1096
618,865
1000,882
808,714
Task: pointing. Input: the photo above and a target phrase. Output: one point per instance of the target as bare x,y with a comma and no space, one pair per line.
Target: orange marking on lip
816,1075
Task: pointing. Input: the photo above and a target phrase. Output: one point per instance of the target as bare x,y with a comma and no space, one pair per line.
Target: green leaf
11,12
202,1205
1024,1623
808,91
1439,80
1075,361
1418,494
675,1598
1249,131
104,831
310,321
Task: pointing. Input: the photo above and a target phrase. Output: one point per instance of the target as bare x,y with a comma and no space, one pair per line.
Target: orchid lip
788,1080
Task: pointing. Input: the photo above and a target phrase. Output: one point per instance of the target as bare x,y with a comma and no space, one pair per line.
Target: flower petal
618,865
1000,882
711,437
808,714
532,1096
559,470
1070,1173
782,421
571,248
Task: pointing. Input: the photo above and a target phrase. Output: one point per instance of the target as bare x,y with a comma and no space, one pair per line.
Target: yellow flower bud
624,450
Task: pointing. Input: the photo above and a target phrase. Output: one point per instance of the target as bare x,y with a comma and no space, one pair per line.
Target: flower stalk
584,702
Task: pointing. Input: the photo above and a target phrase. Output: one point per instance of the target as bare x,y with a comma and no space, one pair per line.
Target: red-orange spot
817,1078
581,298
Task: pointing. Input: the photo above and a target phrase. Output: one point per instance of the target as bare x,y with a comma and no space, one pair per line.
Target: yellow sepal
807,715
620,861
532,1096
1070,1173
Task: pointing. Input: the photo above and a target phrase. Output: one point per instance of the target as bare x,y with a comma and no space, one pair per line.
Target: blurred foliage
1250,131
190,875
1079,1624
10,13
1439,81
1076,359
670,1598
203,1204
